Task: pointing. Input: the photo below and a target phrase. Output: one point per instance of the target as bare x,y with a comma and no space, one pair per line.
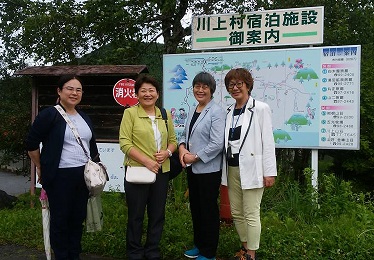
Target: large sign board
254,29
313,92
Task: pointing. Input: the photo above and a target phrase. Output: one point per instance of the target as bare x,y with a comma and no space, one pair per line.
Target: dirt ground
15,252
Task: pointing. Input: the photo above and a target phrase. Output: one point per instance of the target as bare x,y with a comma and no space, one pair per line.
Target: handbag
95,174
175,165
139,175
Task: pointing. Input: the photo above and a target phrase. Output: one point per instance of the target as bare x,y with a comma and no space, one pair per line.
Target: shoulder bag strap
73,128
165,117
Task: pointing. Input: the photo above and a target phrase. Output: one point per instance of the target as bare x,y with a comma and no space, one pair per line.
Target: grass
297,223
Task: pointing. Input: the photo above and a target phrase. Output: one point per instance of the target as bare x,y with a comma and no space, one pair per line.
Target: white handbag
95,174
140,175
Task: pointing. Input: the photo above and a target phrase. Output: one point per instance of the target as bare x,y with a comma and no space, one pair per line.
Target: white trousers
245,209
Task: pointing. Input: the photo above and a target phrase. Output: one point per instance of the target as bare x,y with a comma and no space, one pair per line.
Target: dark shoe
246,257
242,255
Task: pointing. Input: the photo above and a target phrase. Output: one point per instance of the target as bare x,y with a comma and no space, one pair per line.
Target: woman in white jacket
249,165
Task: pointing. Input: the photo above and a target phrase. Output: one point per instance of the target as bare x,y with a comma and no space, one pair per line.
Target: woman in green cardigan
145,141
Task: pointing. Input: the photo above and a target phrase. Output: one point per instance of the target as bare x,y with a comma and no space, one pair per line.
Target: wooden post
34,112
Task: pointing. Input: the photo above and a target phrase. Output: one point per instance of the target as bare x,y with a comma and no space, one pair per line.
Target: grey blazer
206,138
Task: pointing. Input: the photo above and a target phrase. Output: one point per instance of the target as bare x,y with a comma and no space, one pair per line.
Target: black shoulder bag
175,165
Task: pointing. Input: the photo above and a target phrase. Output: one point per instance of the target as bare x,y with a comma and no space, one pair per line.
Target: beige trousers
245,209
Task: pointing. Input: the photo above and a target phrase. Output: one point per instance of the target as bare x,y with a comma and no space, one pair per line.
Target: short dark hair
242,74
146,79
206,79
65,78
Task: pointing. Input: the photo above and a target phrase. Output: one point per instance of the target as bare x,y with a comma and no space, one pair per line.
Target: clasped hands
160,157
185,157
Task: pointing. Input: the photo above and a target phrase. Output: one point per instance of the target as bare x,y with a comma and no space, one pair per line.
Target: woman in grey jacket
200,148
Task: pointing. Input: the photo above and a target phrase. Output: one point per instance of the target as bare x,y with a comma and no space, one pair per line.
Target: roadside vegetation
297,223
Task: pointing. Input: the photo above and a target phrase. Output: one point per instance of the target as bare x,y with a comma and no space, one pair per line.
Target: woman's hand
38,172
189,158
35,158
138,156
161,156
182,153
269,181
153,166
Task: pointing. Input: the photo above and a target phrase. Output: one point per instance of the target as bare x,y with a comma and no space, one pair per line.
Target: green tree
14,115
41,31
60,31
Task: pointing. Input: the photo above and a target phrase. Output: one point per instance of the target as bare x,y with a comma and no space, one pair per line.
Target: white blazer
257,154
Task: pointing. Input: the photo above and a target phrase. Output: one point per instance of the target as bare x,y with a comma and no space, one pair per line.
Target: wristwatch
170,153
196,157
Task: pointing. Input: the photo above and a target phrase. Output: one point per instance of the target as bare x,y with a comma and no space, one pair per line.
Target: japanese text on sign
124,93
273,27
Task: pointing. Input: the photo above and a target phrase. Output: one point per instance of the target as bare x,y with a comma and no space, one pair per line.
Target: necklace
237,120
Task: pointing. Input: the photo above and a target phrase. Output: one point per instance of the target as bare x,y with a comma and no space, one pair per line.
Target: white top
156,132
72,153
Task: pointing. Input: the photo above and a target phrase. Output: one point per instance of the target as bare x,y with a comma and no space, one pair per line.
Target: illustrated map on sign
291,81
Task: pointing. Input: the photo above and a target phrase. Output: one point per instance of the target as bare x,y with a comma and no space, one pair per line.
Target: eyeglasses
203,87
237,84
77,90
150,90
